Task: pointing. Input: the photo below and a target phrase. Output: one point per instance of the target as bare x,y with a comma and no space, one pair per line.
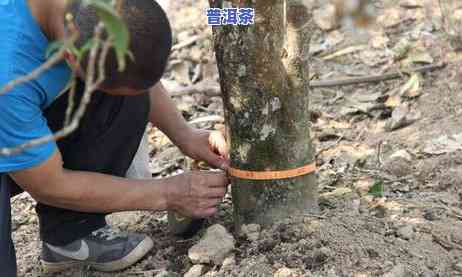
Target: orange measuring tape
273,175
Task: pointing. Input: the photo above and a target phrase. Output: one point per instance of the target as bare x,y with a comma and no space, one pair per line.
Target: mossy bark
263,75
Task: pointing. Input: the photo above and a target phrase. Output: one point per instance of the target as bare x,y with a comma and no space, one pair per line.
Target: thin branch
56,58
35,73
91,86
70,101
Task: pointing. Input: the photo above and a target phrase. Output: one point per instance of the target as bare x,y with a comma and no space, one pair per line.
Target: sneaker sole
137,254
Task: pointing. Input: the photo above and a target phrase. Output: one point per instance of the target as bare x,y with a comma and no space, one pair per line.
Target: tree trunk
264,80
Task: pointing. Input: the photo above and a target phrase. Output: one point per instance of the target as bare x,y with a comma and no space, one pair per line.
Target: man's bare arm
165,116
192,194
51,184
198,144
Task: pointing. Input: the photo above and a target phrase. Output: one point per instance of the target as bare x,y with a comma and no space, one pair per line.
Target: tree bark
263,76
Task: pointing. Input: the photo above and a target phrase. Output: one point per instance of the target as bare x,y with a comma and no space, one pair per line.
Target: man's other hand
207,146
196,194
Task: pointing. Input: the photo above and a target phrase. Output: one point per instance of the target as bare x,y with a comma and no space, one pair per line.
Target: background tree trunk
264,79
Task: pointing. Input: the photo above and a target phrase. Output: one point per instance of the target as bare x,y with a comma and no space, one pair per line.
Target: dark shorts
105,142
7,255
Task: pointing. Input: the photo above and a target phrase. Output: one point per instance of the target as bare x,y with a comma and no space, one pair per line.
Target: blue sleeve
21,120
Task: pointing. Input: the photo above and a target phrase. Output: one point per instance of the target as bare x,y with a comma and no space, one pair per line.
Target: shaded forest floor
389,156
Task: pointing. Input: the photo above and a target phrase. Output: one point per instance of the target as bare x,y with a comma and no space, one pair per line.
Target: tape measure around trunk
273,175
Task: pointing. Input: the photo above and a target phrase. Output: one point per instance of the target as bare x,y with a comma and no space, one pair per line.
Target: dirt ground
389,156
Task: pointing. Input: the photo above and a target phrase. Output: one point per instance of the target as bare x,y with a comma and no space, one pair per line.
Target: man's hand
207,146
196,194
200,145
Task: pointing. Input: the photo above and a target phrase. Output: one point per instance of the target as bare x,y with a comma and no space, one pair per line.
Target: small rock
403,154
406,232
332,273
211,274
325,18
255,266
195,271
165,273
399,163
411,4
458,267
322,254
390,18
398,167
397,271
214,247
286,272
251,231
379,211
401,187
228,264
432,214
444,144
401,117
450,178
428,274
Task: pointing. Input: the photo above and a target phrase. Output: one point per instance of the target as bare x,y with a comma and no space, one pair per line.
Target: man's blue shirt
22,49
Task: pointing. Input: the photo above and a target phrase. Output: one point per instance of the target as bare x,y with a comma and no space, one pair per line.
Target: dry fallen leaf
390,18
412,87
181,73
393,100
345,51
411,4
401,49
379,41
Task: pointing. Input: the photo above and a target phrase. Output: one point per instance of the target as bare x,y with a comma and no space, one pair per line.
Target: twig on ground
373,78
315,216
209,118
145,272
186,43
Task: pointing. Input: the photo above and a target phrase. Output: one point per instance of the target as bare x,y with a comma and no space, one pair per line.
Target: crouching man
79,179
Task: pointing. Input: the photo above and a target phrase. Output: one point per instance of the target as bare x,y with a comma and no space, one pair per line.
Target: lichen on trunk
263,76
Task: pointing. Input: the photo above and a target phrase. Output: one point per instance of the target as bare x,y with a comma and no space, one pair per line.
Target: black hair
150,42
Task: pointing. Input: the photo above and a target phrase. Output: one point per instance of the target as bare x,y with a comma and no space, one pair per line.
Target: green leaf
377,190
54,47
115,27
84,49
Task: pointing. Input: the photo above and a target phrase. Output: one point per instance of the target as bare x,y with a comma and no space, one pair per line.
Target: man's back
22,50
